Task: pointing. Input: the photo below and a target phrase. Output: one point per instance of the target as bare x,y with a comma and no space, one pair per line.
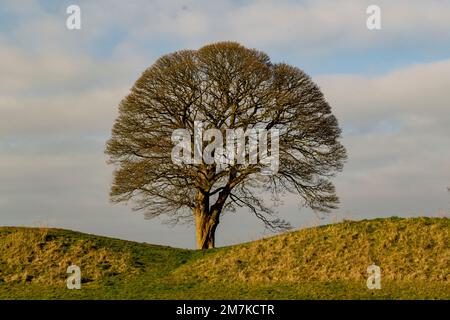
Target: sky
60,89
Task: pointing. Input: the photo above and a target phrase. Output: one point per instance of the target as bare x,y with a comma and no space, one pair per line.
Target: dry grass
42,256
326,262
415,249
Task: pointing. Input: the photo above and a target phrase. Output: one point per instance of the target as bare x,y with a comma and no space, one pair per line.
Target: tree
225,86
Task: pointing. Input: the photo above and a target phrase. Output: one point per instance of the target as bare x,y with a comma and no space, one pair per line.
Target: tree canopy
225,86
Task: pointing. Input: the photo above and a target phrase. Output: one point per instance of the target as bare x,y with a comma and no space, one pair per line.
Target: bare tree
226,86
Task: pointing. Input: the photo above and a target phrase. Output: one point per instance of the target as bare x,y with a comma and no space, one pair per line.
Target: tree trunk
205,231
207,219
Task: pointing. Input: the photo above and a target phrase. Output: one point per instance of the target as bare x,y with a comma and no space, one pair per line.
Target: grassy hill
327,262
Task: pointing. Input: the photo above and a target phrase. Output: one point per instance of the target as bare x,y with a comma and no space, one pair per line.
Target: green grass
327,262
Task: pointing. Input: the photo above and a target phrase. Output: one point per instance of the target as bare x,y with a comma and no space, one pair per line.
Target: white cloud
405,166
309,27
417,95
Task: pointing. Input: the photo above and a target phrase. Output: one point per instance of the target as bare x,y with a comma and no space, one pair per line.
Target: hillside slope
405,249
322,262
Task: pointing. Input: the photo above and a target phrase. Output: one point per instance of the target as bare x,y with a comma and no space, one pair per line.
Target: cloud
60,93
84,114
308,26
403,166
414,94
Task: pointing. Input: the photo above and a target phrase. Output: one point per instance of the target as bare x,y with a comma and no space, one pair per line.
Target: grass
327,262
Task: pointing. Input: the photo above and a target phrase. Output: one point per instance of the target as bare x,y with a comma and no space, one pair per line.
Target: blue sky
59,91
